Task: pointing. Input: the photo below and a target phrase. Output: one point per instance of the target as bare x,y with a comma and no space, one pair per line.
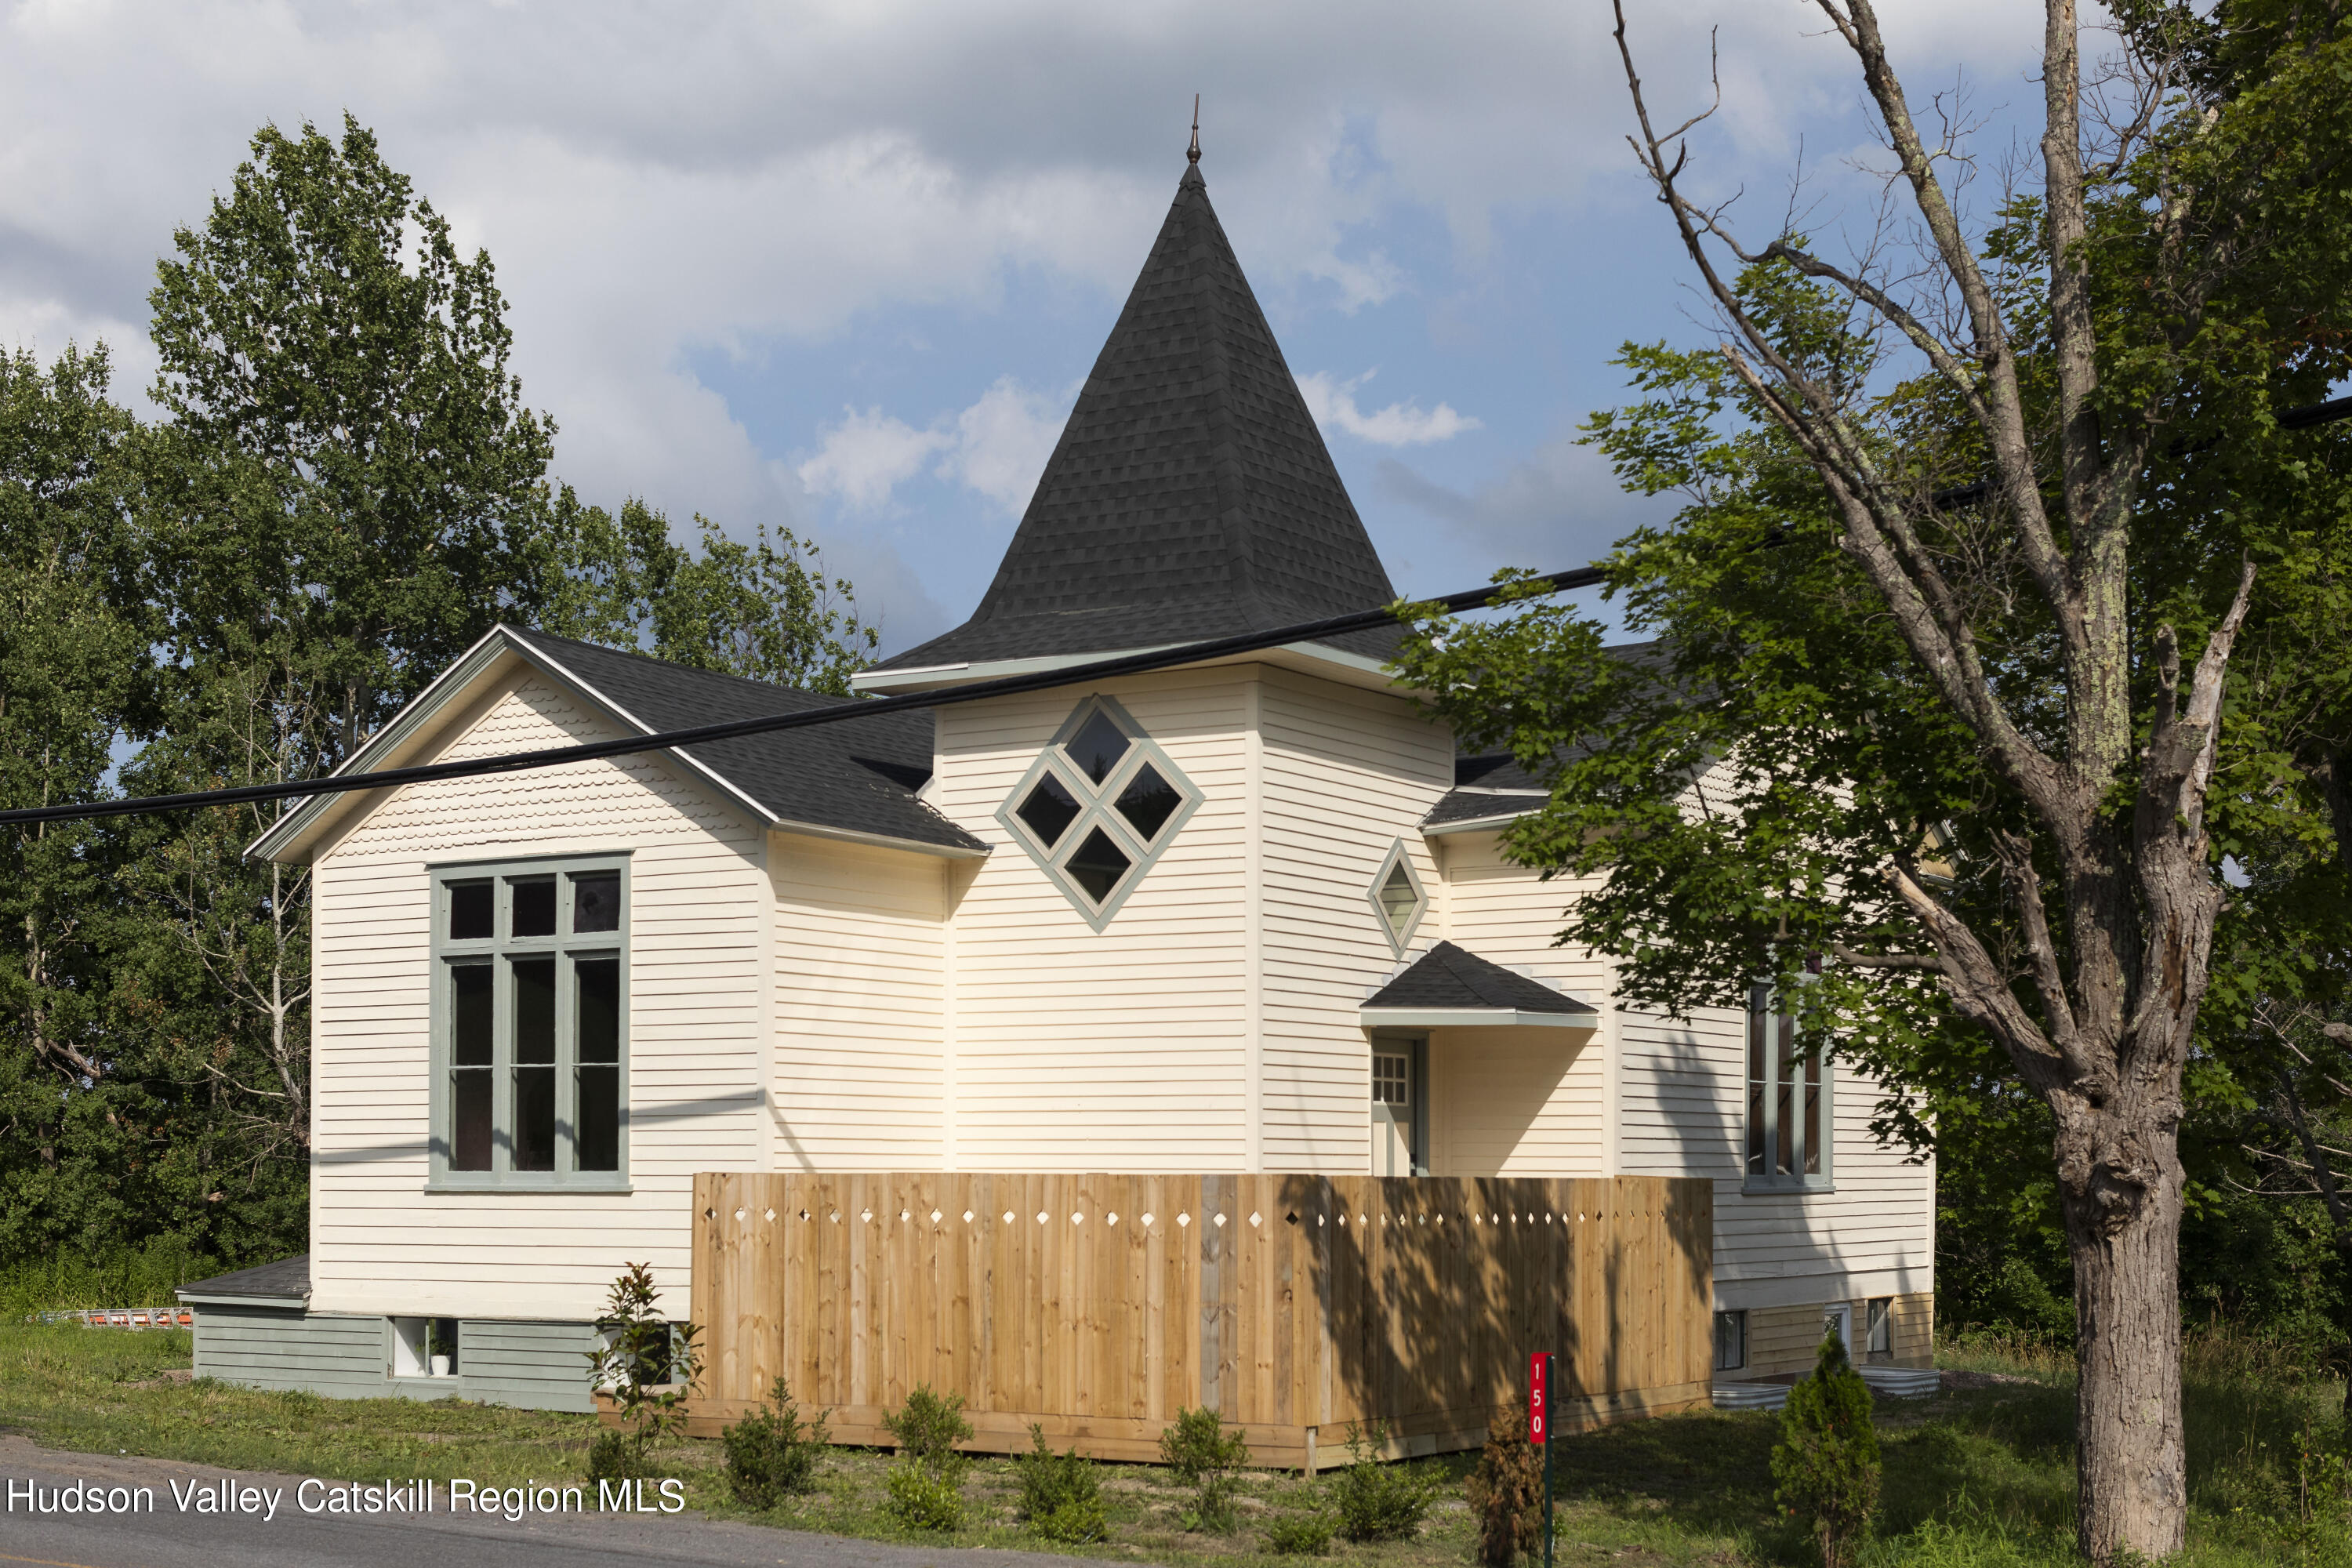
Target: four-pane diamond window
1099,807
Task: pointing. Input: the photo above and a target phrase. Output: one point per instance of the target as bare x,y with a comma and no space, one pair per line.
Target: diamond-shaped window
1147,802
1049,810
1098,864
1097,746
1098,808
1397,897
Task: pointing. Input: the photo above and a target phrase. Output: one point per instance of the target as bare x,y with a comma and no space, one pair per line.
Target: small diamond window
1396,898
1399,897
1050,809
1097,746
1099,807
1147,802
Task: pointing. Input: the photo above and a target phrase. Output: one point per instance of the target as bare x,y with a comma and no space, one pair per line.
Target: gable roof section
1450,985
854,780
1190,496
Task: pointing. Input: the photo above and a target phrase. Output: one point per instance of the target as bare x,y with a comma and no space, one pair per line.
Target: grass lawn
1981,1474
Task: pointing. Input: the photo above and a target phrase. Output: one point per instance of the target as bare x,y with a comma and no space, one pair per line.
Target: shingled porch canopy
1450,987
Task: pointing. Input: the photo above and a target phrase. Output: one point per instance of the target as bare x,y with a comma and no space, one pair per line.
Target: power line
519,761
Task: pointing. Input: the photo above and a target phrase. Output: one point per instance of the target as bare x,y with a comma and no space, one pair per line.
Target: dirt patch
167,1378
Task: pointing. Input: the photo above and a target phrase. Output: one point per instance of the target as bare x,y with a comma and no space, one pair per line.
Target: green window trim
530,1023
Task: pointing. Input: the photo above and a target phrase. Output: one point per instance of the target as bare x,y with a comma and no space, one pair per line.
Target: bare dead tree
2114,909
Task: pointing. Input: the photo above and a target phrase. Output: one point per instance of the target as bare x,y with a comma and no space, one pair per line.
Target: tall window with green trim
531,1023
1789,1125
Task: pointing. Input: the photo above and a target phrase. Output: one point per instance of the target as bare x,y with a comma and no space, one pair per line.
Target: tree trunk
2123,1226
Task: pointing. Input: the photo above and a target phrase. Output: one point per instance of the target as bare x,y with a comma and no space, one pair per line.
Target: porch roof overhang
285,1283
1450,987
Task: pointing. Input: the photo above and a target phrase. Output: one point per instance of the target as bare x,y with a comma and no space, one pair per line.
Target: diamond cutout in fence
1255,1219
771,1217
1097,746
935,1217
1183,1219
1220,1221
1077,1218
739,1216
1040,1216
1049,810
967,1216
1147,1219
1111,1218
1098,864
1147,802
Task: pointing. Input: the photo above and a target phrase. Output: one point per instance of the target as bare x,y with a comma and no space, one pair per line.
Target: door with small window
1400,1114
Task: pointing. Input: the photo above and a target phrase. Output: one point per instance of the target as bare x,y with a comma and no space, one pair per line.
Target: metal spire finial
1193,156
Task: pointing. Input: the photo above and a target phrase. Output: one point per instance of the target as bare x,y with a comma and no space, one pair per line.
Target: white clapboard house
1251,914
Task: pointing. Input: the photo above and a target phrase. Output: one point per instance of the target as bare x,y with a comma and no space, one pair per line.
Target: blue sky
842,266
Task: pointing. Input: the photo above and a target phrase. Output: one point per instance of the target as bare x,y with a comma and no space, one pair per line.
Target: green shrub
1298,1535
1377,1501
1061,1498
771,1454
929,1425
1825,1466
1506,1494
927,1496
1204,1455
618,1457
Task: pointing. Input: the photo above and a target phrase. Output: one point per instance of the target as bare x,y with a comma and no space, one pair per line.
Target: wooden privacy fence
1296,1307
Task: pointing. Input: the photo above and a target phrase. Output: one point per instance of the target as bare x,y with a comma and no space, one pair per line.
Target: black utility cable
518,761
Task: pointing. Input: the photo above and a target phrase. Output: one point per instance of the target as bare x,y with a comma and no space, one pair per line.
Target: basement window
1878,1338
1730,1341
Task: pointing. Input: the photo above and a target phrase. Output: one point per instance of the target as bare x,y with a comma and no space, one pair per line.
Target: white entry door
1394,1119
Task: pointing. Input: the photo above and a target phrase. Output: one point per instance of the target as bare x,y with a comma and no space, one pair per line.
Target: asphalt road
171,1537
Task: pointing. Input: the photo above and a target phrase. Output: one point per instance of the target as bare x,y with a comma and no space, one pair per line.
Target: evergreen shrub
1825,1468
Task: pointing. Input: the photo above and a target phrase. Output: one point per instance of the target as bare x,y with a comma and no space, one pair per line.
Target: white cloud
1332,401
1003,442
867,456
996,448
1560,507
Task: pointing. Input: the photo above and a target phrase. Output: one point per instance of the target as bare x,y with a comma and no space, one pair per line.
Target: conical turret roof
1191,495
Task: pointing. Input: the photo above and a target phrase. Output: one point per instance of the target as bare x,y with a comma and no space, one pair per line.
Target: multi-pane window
1098,808
1788,1099
530,1022
1730,1341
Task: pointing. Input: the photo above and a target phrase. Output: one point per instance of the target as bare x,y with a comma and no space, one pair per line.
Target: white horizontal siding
860,983
1681,1111
378,1242
1120,1050
1346,772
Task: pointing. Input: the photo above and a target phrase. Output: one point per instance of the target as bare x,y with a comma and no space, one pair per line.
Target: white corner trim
1474,1018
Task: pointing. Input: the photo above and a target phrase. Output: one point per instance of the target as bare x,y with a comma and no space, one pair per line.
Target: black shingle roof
1190,496
858,776
287,1277
1451,976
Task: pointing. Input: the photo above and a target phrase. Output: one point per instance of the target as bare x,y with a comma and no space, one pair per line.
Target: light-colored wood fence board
1296,1307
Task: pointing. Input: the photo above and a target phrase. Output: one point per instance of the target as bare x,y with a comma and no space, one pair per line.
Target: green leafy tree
1948,622
765,610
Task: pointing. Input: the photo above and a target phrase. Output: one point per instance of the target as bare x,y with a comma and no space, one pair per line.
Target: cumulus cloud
867,456
1333,404
1002,443
996,448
